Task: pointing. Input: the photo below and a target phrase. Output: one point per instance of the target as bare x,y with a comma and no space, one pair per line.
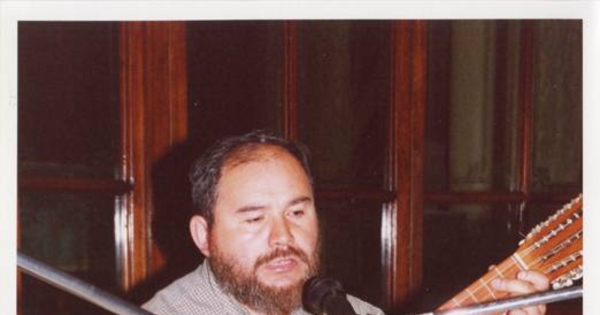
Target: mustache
289,251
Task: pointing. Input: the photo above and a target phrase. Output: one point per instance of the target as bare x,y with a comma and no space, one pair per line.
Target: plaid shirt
198,293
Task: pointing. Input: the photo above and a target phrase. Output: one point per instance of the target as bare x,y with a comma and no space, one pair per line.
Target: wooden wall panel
403,220
154,113
290,80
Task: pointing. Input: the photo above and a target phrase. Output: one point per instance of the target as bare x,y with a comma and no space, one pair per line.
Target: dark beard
248,290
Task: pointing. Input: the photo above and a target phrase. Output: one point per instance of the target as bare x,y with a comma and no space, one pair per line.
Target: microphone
321,295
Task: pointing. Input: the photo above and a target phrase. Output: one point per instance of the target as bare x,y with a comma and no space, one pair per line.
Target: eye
297,213
254,219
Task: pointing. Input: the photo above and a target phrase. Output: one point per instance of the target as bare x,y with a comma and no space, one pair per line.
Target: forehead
264,167
254,153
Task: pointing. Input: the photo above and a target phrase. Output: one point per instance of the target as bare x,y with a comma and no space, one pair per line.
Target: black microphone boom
322,295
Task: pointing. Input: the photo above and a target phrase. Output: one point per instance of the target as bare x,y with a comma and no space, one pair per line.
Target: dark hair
205,172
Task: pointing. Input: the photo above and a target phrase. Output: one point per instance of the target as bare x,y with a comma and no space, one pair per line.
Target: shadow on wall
170,229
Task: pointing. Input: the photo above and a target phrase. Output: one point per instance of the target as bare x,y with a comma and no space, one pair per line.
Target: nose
281,233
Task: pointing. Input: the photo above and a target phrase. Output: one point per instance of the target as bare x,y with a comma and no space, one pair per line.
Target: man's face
264,240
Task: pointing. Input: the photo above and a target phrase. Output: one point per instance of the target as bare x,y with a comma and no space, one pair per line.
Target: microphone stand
118,306
503,305
77,287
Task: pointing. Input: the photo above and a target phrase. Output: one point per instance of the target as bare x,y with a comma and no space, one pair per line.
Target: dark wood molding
290,80
525,120
154,119
131,252
355,194
498,197
404,219
74,184
526,86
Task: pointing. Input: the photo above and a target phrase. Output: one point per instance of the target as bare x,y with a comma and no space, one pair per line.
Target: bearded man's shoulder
179,297
363,308
191,294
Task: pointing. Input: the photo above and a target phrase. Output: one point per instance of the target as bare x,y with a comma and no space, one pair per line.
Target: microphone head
319,290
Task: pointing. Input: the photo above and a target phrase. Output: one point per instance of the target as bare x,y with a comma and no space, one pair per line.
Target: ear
199,230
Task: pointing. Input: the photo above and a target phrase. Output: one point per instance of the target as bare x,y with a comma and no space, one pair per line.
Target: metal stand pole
77,287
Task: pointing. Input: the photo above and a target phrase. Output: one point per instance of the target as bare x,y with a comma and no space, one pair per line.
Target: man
257,226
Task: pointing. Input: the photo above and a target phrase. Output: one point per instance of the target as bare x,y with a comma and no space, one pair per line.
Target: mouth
282,264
